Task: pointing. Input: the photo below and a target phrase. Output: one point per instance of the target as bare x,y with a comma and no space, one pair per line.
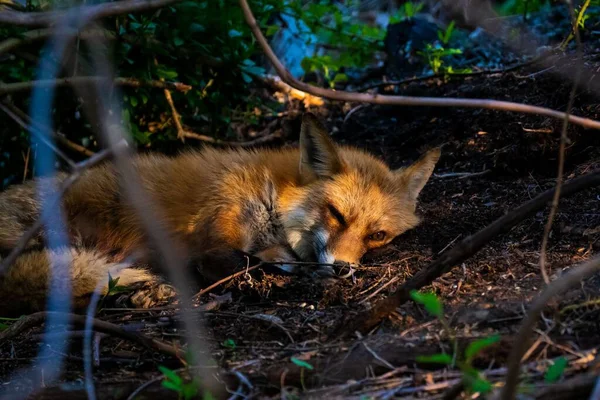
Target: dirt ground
267,321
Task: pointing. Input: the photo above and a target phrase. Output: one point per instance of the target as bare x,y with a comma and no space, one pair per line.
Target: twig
464,249
339,95
572,278
7,88
461,175
226,279
98,325
66,184
270,321
561,150
36,19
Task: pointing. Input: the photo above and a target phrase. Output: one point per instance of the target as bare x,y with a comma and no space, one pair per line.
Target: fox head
349,201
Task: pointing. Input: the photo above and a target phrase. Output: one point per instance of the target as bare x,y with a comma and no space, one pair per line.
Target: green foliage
441,358
556,370
185,390
476,347
430,301
473,379
446,34
348,43
579,24
301,363
407,11
113,287
433,55
229,344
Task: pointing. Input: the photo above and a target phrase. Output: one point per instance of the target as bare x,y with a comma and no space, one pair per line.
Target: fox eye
378,236
336,214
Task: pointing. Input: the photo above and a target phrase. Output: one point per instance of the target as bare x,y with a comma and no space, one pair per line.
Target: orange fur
320,202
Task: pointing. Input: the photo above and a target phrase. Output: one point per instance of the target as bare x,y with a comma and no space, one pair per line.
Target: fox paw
152,295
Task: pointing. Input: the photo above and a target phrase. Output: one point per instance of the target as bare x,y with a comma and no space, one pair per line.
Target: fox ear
413,178
318,153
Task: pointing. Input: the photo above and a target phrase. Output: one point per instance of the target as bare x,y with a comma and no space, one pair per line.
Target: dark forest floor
270,319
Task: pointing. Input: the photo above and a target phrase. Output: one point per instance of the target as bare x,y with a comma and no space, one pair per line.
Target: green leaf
477,346
166,73
189,390
556,370
177,41
229,343
441,358
430,301
271,30
133,101
3,327
170,375
247,78
340,78
480,385
301,363
171,385
234,33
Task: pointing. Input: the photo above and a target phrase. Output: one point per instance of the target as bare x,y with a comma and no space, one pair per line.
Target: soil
272,321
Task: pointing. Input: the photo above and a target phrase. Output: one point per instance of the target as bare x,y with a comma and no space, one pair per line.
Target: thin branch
571,279
463,250
97,325
37,133
66,184
561,150
399,100
226,279
7,88
38,19
26,123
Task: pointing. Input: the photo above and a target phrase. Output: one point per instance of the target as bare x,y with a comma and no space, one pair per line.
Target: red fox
320,202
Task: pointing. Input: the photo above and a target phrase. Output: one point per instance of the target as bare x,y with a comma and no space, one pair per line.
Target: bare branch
400,100
26,123
97,325
89,13
7,88
463,250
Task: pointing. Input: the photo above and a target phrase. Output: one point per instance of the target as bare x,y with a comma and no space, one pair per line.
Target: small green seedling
174,382
303,365
472,378
229,344
433,56
556,370
446,34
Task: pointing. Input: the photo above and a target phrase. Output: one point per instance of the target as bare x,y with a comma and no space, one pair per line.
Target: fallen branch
339,95
66,184
97,325
572,278
7,88
463,250
38,19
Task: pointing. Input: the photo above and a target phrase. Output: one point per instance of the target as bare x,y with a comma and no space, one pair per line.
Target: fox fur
319,202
